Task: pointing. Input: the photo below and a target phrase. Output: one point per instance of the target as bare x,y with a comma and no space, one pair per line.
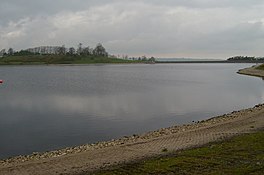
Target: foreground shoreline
87,158
131,139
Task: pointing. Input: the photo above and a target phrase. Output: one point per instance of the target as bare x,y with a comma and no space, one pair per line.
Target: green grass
59,59
240,155
261,67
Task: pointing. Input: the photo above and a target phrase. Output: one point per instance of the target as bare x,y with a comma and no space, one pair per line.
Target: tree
62,50
87,51
152,59
10,51
125,57
23,53
79,49
71,51
144,58
2,53
100,50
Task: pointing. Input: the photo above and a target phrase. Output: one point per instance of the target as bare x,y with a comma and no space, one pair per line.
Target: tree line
80,50
99,50
245,58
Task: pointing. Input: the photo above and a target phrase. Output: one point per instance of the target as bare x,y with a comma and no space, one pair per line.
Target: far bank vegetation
245,59
63,55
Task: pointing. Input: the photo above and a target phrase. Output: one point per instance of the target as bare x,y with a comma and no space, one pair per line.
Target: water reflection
50,107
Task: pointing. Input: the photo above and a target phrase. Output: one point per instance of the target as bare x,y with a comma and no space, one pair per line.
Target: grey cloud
17,9
208,3
194,28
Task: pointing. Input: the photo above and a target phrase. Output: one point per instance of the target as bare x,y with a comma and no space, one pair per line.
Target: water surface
50,107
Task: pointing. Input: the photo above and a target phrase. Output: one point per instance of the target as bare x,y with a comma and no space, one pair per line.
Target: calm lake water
50,107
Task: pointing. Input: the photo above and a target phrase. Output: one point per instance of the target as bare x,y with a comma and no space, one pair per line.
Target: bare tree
10,51
71,51
2,52
86,51
79,49
62,50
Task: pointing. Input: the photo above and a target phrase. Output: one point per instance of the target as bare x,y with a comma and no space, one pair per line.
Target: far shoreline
252,71
105,61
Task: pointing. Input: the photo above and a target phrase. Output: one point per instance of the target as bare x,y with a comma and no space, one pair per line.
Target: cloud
195,28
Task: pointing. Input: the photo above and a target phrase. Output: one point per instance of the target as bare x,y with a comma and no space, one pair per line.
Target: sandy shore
252,71
88,158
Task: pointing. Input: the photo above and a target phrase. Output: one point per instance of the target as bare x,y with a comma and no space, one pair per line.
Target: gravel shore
91,157
132,139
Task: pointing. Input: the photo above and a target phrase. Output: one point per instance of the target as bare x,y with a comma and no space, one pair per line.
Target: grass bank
261,67
59,59
240,155
257,71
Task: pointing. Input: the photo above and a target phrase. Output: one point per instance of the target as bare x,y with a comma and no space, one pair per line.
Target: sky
215,29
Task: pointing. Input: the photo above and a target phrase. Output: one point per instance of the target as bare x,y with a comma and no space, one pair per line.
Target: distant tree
152,59
242,58
86,51
99,50
61,50
71,51
125,57
10,51
79,49
2,52
23,53
113,56
144,58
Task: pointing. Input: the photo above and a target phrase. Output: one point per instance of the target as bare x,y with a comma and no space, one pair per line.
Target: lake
50,107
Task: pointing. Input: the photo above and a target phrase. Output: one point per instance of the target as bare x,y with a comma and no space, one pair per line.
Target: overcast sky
160,28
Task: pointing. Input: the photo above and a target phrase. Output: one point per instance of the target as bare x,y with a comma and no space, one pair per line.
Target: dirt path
137,147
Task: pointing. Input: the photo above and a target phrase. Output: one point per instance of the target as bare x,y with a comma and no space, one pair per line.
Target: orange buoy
1,81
